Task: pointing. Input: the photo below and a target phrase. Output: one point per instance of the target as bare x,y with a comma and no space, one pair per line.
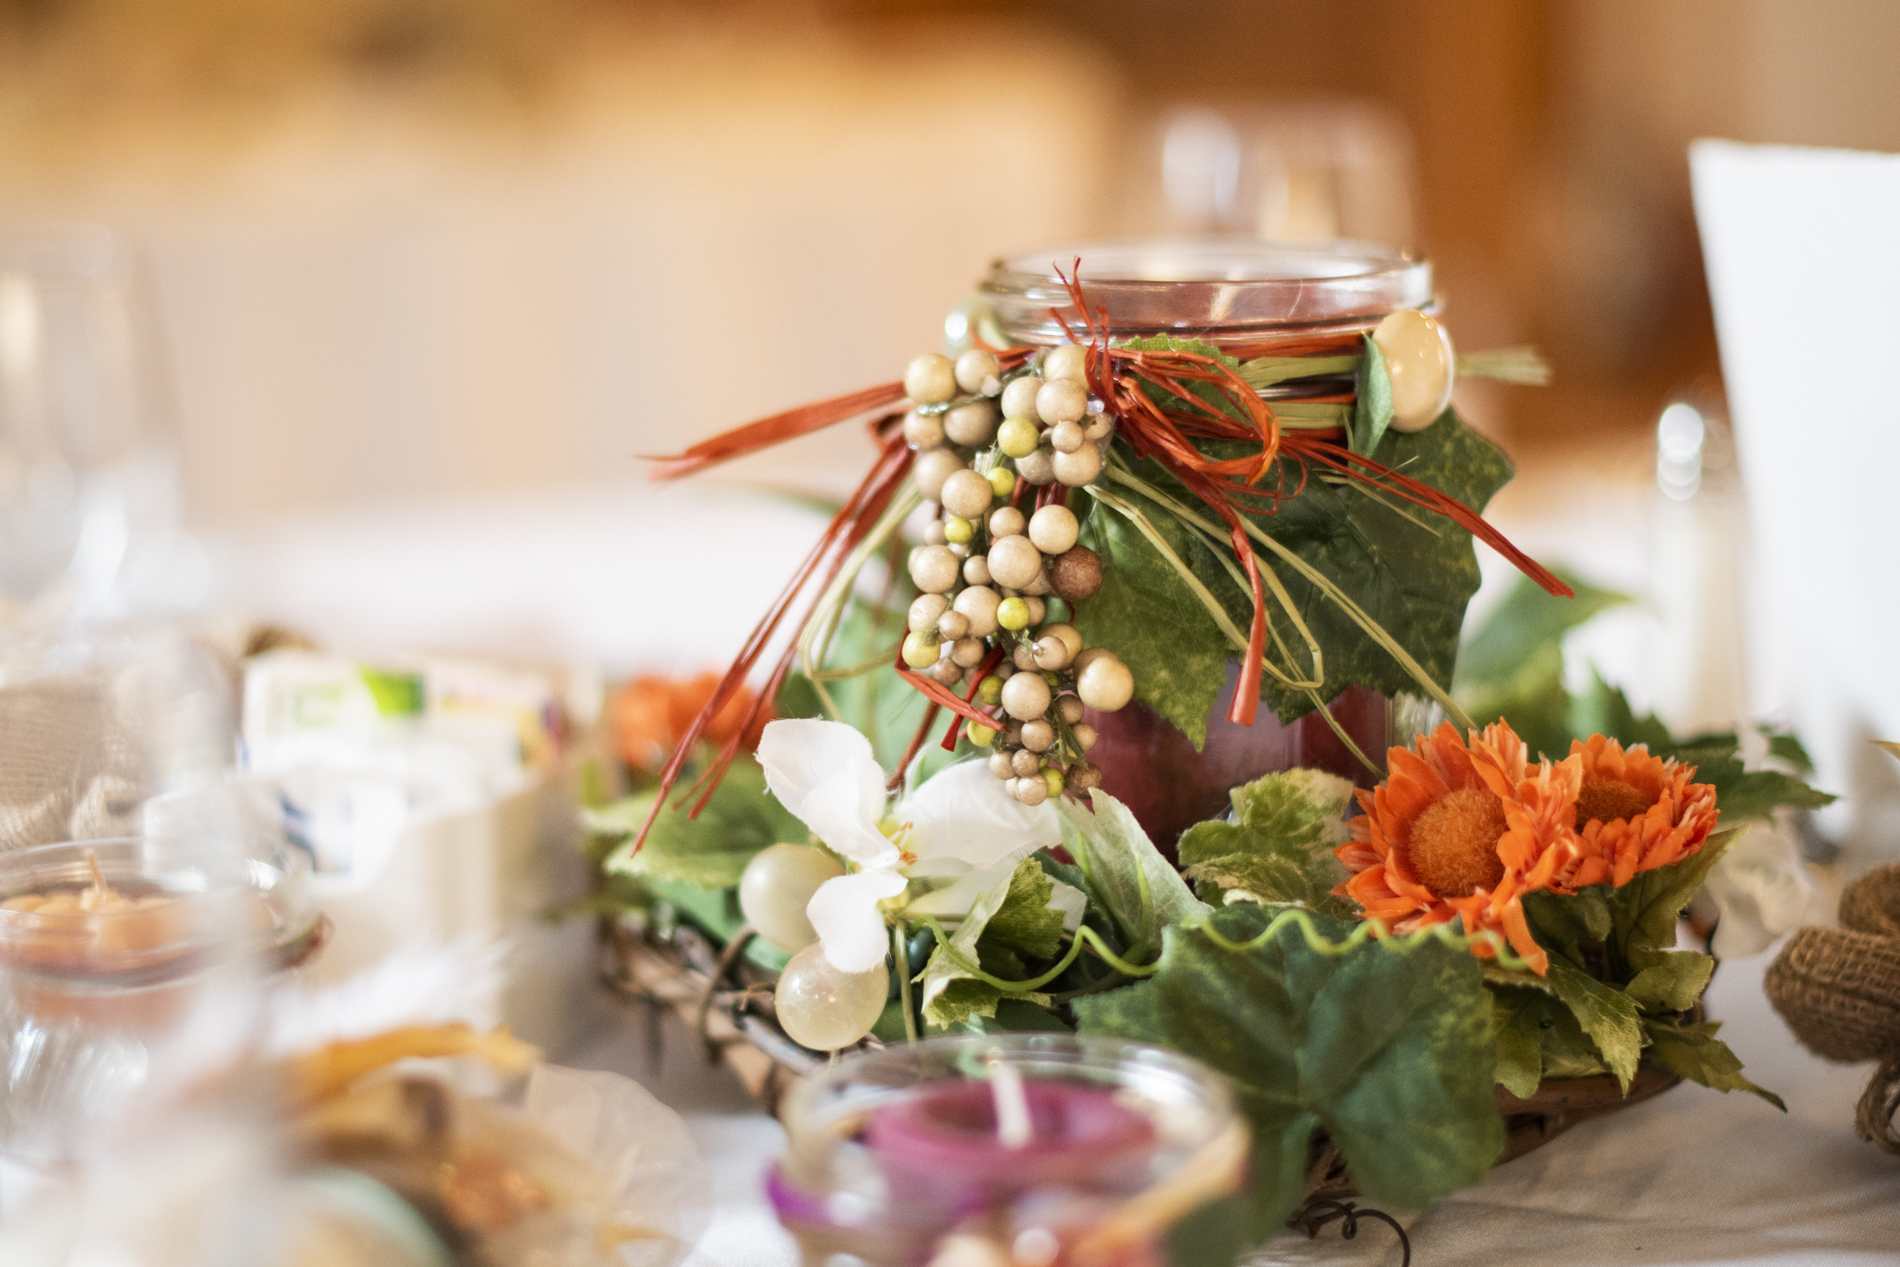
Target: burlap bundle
71,766
1839,991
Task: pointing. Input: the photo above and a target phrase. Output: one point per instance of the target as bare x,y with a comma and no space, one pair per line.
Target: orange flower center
1605,800
1454,846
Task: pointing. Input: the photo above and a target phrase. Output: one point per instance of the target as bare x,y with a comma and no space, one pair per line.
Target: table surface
1692,1177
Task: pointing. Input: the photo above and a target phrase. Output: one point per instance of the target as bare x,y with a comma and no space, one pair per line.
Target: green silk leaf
1010,921
1372,405
1698,1055
1148,617
1391,1052
710,851
1135,886
1605,1013
1278,848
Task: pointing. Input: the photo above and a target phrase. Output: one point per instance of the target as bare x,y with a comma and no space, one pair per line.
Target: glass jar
1237,294
1034,1148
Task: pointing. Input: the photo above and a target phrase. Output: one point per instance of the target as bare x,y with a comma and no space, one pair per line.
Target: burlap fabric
71,765
1839,991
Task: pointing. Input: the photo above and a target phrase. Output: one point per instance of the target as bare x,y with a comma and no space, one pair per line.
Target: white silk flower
961,827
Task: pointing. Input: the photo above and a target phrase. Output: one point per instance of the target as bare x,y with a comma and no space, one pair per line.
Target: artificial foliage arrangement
1400,961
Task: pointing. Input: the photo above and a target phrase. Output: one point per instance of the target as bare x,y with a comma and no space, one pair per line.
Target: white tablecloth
1693,1177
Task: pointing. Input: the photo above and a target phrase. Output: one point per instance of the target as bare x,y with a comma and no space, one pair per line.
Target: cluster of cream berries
987,570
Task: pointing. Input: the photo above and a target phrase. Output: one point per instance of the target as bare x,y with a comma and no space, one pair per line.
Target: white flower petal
966,812
844,913
954,900
825,774
1072,902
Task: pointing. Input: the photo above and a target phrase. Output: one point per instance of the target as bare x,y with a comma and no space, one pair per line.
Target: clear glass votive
107,947
1041,1149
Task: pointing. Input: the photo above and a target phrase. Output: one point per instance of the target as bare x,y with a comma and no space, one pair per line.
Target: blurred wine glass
87,433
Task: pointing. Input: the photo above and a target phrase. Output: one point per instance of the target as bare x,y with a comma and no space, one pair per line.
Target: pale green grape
775,888
825,1009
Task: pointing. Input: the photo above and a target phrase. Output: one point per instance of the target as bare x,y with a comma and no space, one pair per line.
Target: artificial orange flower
650,714
1463,831
1635,812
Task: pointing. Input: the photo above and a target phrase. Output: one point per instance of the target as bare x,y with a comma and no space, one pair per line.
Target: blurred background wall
429,248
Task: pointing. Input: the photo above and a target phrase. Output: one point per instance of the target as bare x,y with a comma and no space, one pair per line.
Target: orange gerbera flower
649,715
1635,812
1459,831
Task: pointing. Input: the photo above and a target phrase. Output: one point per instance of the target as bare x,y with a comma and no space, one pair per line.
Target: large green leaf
711,850
1391,1052
1147,616
1012,920
1698,1055
1125,873
1278,846
1522,1016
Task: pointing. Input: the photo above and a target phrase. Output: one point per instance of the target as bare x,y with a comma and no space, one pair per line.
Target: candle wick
1013,1128
98,876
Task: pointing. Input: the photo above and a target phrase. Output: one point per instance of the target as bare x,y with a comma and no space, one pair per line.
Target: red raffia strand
775,430
846,529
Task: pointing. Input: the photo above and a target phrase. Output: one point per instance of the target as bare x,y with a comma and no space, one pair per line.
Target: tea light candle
96,928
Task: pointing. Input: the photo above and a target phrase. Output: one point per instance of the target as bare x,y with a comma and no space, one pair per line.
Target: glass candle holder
1041,1148
1233,293
106,949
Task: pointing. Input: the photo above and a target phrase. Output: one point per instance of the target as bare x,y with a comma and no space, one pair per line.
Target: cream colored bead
975,368
1078,468
927,609
1085,735
1071,709
1100,427
1054,528
930,379
1014,561
1052,653
933,569
968,652
1067,437
1001,766
1105,685
1069,360
1038,584
952,625
1019,396
976,570
978,605
1031,791
1063,400
1023,656
1068,634
966,494
1026,696
934,533
923,431
1037,609
1038,468
1038,735
1419,361
971,425
932,468
947,672
1007,521
1022,760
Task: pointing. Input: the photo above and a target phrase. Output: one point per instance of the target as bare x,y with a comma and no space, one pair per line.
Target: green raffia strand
1304,415
1266,371
1523,364
1320,581
900,951
814,640
1371,930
